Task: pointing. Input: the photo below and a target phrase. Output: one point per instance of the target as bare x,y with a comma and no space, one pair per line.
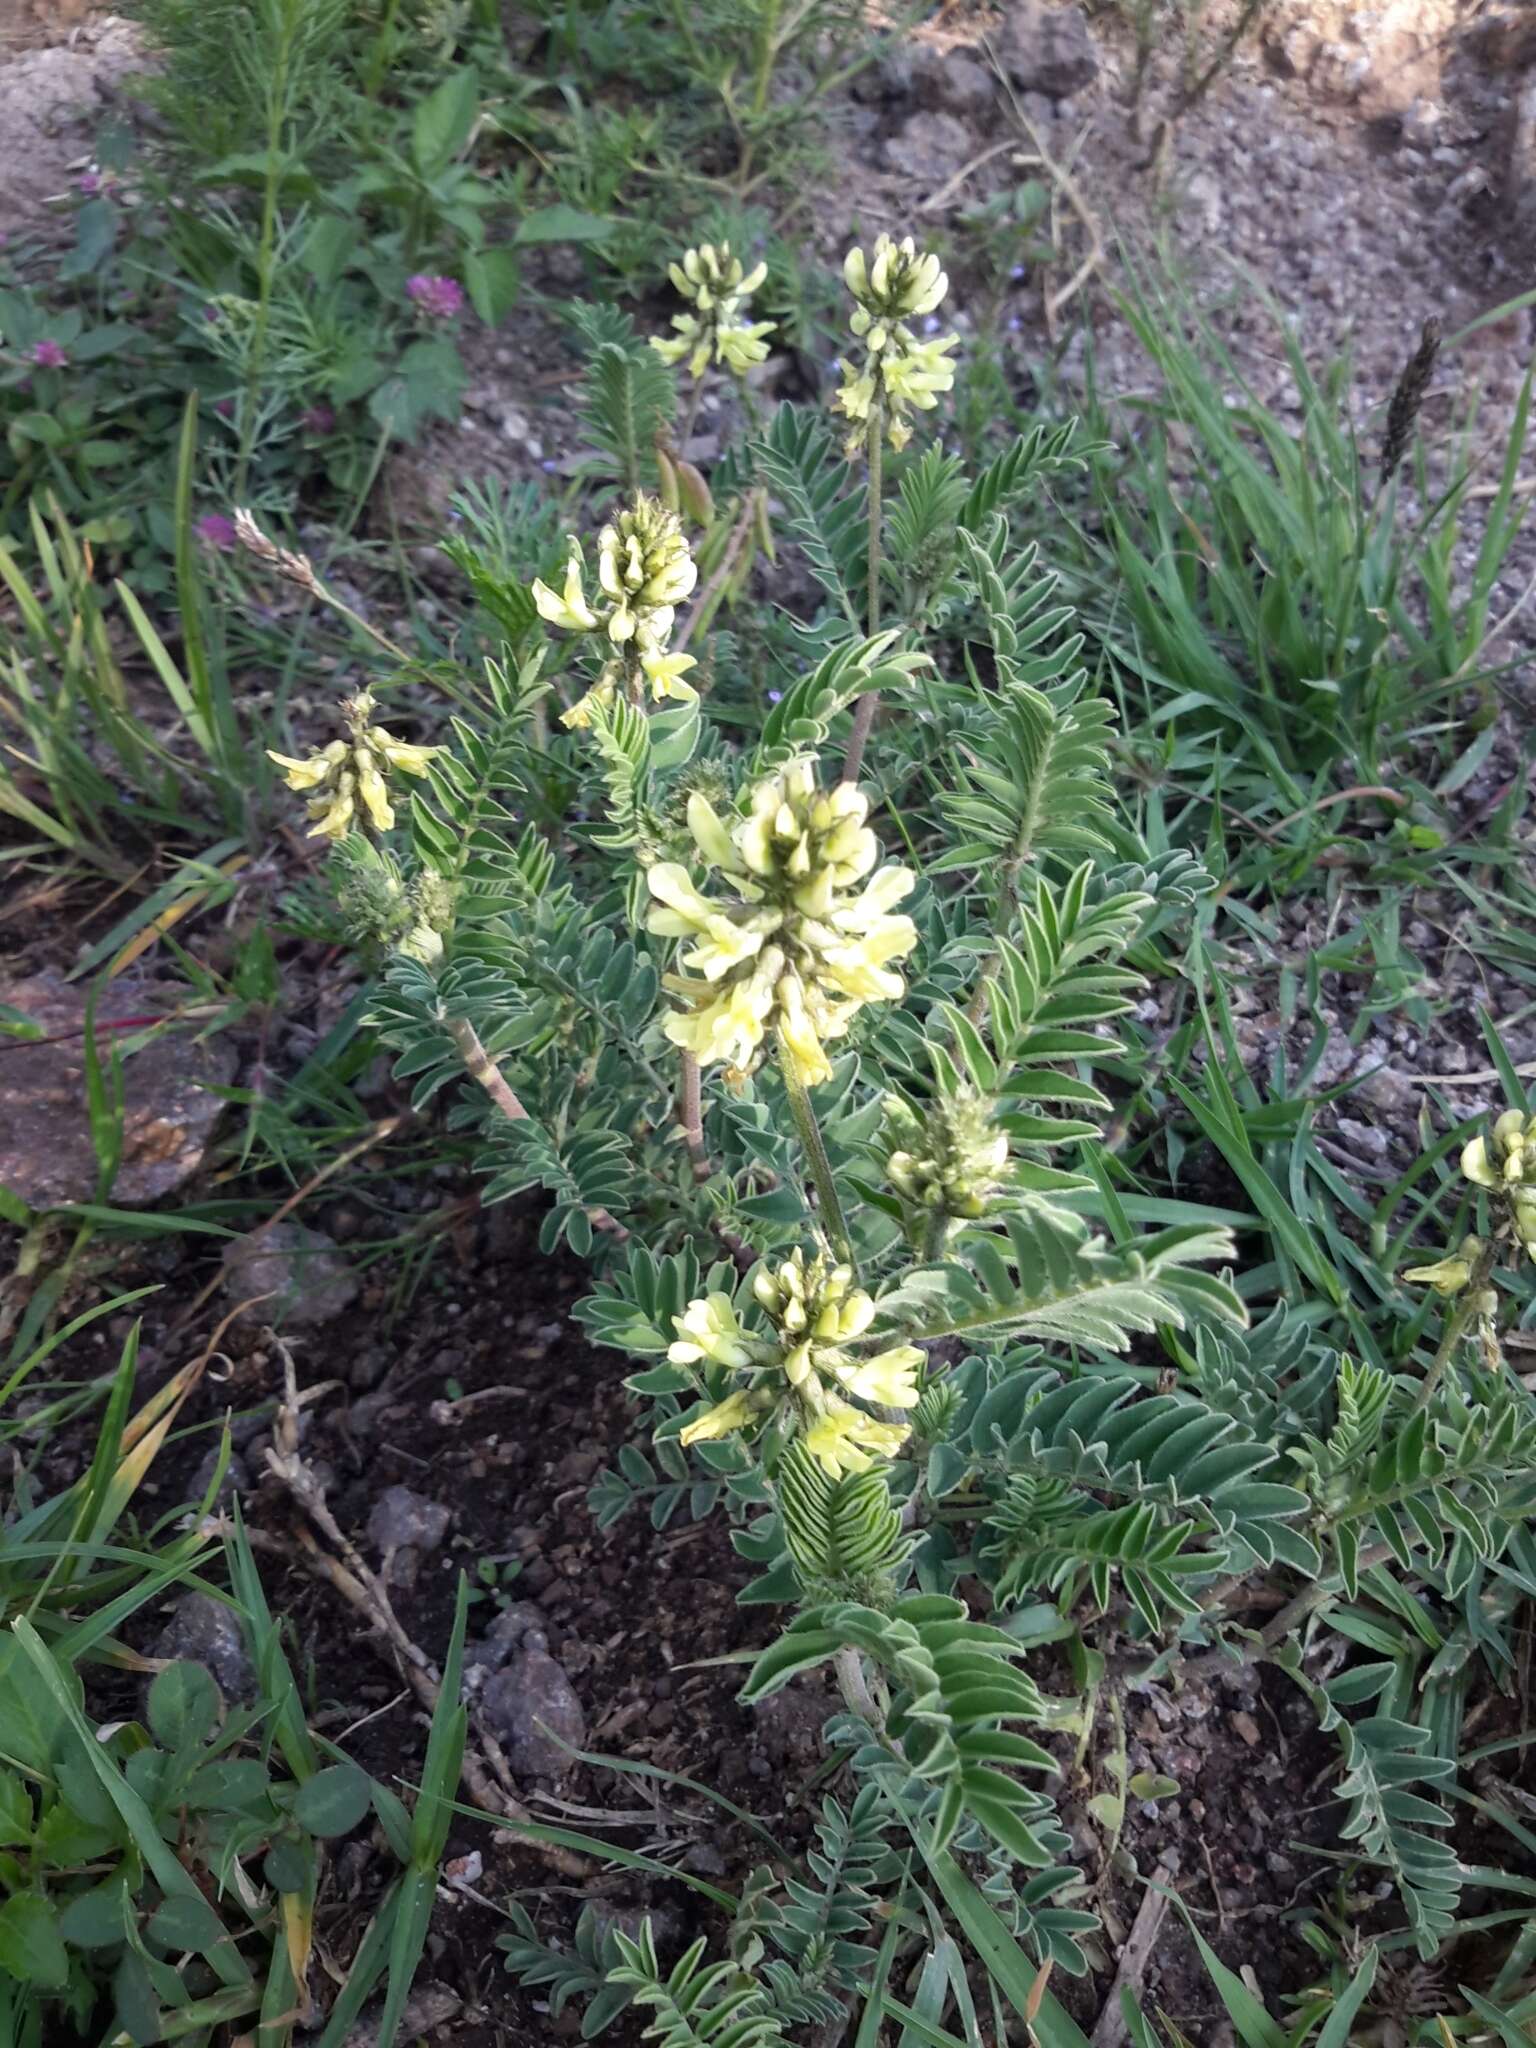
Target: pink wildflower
440,298
216,531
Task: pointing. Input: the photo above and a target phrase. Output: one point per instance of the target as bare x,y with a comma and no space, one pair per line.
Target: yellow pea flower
724,1419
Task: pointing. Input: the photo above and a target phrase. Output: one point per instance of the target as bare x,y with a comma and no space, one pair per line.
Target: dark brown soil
634,1616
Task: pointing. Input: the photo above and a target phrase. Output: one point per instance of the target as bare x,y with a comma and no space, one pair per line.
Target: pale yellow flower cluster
1451,1274
806,936
713,281
645,569
948,1162
353,771
1508,1165
804,1371
900,374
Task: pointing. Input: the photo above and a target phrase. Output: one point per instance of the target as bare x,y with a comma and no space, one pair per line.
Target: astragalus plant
828,1124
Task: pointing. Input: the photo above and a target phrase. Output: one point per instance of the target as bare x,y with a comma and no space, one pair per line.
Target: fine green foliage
818,883
843,1535
695,2004
896,1306
1044,1276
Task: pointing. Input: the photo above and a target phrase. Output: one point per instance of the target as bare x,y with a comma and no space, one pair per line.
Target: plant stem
767,53
690,416
714,590
935,1236
690,1112
1457,1323
849,1666
277,97
480,1067
815,1147
864,710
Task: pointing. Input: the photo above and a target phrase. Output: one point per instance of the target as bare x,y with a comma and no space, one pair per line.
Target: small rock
204,1631
1385,1088
519,1625
666,1923
300,1269
403,1520
1420,124
1046,49
429,2008
1367,1141
169,1101
953,79
1244,1725
1204,195
788,1723
888,81
237,1477
367,1367
530,1703
929,147
52,105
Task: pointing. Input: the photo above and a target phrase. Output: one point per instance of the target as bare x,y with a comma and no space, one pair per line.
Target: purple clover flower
320,419
439,298
49,355
225,408
89,183
214,530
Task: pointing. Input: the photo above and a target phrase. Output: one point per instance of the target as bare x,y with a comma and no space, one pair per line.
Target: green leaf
427,383
99,1918
15,1811
1291,1235
183,1705
40,427
31,1947
173,1879
286,1866
330,241
134,2001
333,1801
492,278
1336,2031
1006,1964
562,223
444,121
30,1734
187,1922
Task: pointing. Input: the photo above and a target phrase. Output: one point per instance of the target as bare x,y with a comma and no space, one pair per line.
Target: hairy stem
690,415
766,55
935,1236
480,1067
854,1686
709,597
1457,1323
690,1114
815,1148
864,710
1275,1631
